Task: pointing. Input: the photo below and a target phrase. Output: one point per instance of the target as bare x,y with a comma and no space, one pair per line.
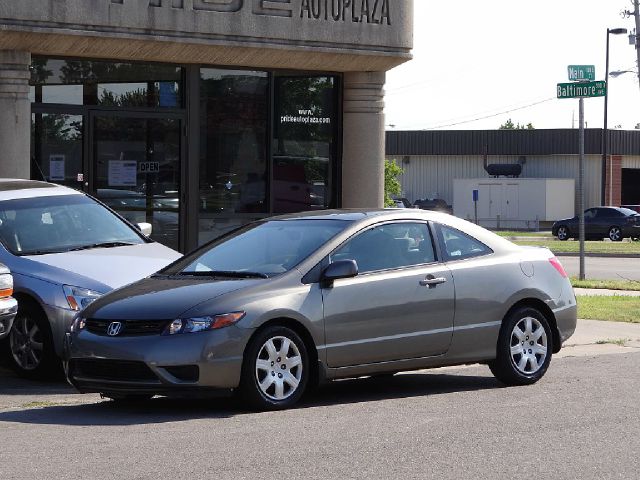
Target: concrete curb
605,292
603,255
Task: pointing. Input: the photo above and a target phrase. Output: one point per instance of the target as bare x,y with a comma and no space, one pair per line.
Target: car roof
371,216
13,188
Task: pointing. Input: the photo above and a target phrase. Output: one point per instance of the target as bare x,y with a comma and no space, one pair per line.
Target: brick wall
613,188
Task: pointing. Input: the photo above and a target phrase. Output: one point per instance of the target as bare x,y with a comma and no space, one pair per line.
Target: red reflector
558,266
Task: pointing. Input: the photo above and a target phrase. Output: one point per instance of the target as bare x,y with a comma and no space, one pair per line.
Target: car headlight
78,324
203,324
78,298
6,285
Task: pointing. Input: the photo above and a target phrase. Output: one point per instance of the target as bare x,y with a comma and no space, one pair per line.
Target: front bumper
8,310
189,364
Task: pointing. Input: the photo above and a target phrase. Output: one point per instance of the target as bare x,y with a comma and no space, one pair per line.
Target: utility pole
636,16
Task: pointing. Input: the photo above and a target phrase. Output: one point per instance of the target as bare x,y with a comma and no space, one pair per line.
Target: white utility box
505,202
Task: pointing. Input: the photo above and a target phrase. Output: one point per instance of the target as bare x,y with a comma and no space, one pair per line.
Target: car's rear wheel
31,351
615,234
563,233
524,349
275,369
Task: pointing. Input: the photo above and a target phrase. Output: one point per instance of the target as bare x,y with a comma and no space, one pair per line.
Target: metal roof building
431,160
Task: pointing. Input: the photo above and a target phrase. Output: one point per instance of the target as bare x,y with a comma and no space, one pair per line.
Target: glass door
136,169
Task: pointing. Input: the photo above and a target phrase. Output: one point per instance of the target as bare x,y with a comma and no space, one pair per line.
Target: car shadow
406,385
165,410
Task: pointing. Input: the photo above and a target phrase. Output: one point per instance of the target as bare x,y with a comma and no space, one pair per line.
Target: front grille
129,327
115,370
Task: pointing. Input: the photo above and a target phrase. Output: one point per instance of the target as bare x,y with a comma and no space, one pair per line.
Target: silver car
8,304
314,297
64,250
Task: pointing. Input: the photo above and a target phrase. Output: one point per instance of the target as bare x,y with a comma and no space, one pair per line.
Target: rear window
456,245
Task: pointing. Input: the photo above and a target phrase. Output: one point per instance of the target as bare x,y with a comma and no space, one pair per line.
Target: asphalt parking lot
580,421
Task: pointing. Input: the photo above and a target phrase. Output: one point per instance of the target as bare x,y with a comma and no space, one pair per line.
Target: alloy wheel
615,235
563,233
26,343
278,368
528,345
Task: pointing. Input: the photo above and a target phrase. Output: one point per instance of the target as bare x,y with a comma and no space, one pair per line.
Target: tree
509,125
391,183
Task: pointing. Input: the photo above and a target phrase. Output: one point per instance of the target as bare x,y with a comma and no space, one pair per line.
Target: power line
492,115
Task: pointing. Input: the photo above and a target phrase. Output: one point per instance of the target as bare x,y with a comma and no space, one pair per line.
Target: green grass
614,309
513,233
571,246
621,342
608,284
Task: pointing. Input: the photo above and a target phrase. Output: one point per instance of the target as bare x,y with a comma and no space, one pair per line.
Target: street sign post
581,73
583,86
582,89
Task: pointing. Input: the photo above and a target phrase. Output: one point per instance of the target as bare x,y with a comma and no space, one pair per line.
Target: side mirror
337,270
145,228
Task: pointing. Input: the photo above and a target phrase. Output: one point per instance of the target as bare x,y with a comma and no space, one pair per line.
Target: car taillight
558,266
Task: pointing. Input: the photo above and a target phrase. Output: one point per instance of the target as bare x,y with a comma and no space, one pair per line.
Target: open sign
149,167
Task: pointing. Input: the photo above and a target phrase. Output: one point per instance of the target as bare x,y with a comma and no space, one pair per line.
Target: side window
591,213
457,245
389,246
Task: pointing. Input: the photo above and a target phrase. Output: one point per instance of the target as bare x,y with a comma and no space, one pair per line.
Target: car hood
101,269
162,297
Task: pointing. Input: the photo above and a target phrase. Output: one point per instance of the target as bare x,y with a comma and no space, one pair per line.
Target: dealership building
201,115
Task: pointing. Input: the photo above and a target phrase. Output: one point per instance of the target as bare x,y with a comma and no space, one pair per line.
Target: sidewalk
593,337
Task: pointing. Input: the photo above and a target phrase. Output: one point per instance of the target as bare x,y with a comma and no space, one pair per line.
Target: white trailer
513,202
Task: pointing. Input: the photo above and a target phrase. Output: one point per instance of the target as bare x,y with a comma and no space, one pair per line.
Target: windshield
34,226
262,249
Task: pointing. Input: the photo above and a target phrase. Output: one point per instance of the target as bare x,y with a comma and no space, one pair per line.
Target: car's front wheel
31,351
275,369
615,234
563,233
524,349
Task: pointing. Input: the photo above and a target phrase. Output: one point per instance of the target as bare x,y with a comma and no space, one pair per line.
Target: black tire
267,398
32,355
563,233
525,371
615,234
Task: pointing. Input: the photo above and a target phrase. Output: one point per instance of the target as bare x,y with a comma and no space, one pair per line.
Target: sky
503,59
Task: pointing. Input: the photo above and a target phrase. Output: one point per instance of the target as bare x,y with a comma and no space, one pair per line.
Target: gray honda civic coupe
284,303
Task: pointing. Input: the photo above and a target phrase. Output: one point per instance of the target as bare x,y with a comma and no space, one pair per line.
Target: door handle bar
432,281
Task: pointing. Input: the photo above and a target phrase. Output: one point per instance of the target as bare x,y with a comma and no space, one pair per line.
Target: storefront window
304,143
111,84
233,152
56,146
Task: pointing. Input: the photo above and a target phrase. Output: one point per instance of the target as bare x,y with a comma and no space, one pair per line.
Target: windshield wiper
225,273
37,252
101,245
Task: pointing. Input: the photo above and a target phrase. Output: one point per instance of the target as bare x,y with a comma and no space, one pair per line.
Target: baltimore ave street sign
582,89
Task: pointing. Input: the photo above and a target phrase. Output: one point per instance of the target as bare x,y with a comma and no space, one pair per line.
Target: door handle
432,282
